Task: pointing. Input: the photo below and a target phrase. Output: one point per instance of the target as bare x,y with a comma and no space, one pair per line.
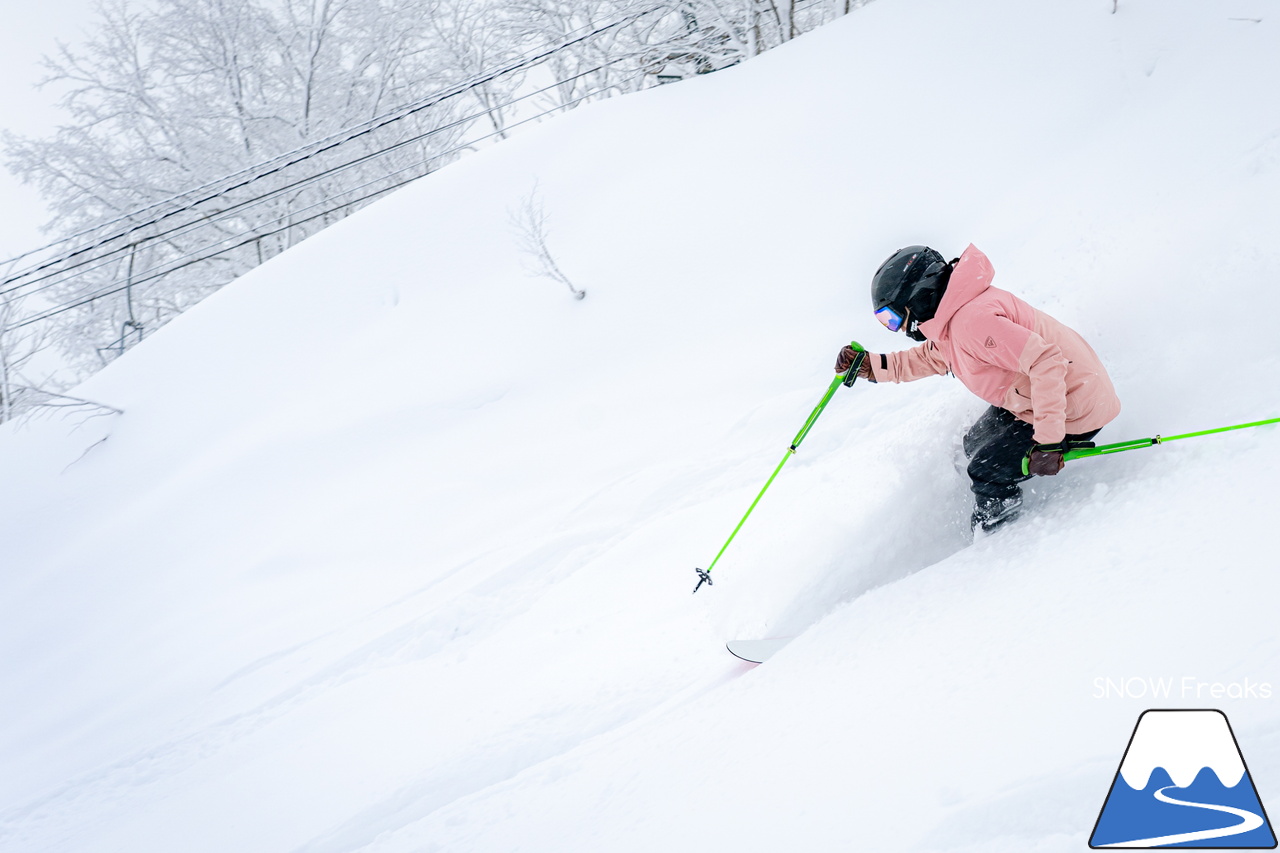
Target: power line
191,259
64,274
303,153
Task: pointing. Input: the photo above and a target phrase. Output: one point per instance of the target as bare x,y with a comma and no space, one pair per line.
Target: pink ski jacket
1010,355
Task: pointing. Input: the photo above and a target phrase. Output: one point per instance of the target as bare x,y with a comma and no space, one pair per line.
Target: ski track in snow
418,639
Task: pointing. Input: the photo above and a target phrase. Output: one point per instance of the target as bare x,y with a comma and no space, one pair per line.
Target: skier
1047,388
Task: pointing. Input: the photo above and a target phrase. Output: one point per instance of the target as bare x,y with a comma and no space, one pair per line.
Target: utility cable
196,257
62,275
288,159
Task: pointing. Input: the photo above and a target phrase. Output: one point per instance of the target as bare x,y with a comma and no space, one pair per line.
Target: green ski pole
847,379
1137,443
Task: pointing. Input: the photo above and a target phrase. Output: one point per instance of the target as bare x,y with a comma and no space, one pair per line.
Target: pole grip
851,375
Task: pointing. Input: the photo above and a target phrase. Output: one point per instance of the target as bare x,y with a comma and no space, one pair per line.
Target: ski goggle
891,319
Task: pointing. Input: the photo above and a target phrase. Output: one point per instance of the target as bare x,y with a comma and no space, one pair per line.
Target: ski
757,651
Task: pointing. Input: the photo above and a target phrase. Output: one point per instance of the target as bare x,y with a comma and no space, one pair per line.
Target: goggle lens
891,319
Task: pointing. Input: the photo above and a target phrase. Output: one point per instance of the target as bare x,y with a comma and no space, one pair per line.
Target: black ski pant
995,446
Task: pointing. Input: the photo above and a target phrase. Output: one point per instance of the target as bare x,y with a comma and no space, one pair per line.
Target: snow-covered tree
206,136
185,92
18,346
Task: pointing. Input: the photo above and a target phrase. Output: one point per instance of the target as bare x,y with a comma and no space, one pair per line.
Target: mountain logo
1183,783
990,342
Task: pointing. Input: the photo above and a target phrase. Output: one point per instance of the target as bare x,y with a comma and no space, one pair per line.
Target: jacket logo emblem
990,342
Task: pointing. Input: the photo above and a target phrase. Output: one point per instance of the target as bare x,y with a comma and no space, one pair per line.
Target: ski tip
757,651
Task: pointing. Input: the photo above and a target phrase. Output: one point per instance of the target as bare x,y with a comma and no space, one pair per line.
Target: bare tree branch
529,222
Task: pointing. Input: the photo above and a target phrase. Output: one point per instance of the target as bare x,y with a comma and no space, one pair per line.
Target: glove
1045,460
846,358
1044,463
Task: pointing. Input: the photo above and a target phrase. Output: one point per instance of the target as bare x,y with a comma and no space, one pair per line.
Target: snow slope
393,545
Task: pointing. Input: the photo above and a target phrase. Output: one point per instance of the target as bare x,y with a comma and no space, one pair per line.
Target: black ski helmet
911,282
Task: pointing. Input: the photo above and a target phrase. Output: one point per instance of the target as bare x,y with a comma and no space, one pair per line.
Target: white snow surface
392,548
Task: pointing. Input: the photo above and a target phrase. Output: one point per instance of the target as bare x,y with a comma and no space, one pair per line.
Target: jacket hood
972,276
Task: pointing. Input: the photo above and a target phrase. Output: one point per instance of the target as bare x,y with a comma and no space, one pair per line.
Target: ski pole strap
847,379
1137,443
813,416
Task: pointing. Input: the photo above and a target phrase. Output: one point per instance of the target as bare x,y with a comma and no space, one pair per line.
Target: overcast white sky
30,29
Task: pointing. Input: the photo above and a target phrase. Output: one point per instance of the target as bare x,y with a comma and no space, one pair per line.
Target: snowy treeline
205,136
